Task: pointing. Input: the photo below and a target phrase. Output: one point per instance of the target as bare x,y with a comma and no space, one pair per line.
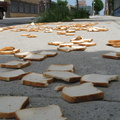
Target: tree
98,6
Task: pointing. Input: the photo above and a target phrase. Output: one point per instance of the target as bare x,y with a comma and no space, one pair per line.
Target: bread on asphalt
81,41
9,48
35,79
78,48
48,31
81,93
70,31
10,104
31,36
55,43
61,67
51,112
12,75
98,79
35,57
64,49
65,76
111,55
87,44
69,34
10,51
21,54
59,88
25,34
77,38
113,41
61,32
15,64
66,44
49,53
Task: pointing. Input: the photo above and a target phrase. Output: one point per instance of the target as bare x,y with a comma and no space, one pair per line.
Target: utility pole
93,7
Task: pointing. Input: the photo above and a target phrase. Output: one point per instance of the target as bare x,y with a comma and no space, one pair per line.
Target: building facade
116,7
22,8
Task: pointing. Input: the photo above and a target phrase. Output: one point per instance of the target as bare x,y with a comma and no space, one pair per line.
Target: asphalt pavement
85,62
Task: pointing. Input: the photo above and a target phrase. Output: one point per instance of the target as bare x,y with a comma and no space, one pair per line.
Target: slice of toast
49,53
70,34
21,54
15,64
55,43
35,79
10,104
98,79
78,48
12,75
61,67
87,44
51,112
81,93
66,44
64,49
61,32
77,38
10,51
9,48
70,31
35,57
59,88
111,55
65,76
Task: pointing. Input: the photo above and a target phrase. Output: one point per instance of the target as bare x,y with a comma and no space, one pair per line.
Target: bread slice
51,112
31,36
61,32
81,93
10,104
35,79
78,48
9,48
61,67
55,43
113,41
111,55
49,53
59,88
98,79
15,64
70,34
12,75
48,31
21,54
66,44
10,51
77,38
65,76
64,49
70,31
25,34
87,44
35,57
118,54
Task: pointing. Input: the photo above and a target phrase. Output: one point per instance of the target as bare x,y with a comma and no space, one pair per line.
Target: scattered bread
51,112
98,79
61,67
70,31
62,75
64,49
15,64
35,57
81,93
31,36
78,48
10,104
35,79
70,34
59,88
87,44
56,43
77,38
9,48
49,53
12,75
61,32
66,44
25,35
48,31
21,54
111,55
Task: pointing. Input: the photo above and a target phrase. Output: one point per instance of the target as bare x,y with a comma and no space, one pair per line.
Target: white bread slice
49,53
25,34
61,67
10,104
87,44
61,32
77,38
21,54
113,41
66,76
111,55
98,79
77,41
10,51
69,34
31,36
59,88
64,49
51,112
12,75
78,48
55,43
9,48
35,57
15,64
48,31
66,44
81,93
35,79
70,31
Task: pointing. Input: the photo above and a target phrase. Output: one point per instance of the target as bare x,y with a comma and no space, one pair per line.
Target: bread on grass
81,93
111,55
55,43
12,75
15,64
98,79
21,54
49,53
10,51
65,76
87,44
9,48
64,49
35,79
35,57
51,112
61,67
10,104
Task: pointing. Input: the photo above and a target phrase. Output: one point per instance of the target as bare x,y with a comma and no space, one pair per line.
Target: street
85,62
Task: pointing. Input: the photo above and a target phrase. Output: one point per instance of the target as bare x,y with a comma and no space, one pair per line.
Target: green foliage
58,12
98,6
81,13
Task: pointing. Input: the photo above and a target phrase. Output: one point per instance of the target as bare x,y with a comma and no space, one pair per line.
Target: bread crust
10,52
111,57
7,48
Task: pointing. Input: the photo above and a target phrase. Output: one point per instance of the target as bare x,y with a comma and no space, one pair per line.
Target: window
21,7
32,8
14,7
27,8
